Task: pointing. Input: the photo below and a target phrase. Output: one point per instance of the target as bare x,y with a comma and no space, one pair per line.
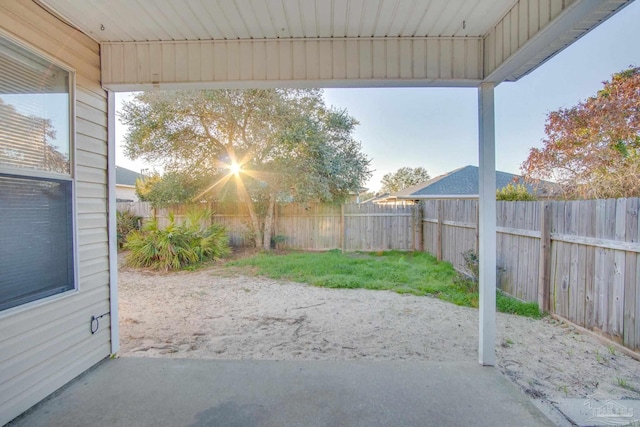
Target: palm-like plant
178,245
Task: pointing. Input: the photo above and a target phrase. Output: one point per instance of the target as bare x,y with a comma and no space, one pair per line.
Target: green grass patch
508,304
416,273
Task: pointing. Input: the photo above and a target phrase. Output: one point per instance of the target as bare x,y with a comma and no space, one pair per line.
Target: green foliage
178,245
508,304
145,184
170,188
368,195
512,193
126,222
416,273
469,281
626,385
403,178
470,277
290,145
277,239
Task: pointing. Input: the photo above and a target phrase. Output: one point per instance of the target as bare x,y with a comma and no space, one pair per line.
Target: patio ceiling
144,20
327,43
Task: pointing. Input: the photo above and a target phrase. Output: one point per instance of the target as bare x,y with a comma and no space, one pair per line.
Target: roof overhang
181,44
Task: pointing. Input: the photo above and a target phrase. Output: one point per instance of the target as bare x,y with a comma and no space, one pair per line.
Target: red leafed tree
593,149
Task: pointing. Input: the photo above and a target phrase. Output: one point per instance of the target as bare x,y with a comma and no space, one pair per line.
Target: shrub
512,193
468,282
468,279
126,222
276,240
178,245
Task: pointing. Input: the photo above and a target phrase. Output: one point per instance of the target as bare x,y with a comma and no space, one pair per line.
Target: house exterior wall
126,192
45,344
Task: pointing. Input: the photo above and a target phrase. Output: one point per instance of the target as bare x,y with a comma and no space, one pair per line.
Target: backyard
255,307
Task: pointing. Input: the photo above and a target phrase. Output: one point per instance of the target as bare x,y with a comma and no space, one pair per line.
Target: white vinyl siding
45,344
435,61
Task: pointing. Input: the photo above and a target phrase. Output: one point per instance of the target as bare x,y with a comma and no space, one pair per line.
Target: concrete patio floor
188,392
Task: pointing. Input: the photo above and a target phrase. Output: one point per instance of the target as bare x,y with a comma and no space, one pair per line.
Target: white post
487,225
113,236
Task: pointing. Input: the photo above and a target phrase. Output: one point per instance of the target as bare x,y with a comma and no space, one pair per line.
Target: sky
437,128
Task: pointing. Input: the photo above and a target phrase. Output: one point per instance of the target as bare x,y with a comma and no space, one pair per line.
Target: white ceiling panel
179,20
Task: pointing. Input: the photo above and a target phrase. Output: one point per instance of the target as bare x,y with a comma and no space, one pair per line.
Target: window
36,182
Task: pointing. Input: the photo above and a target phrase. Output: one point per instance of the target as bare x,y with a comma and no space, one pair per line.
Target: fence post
342,230
545,257
418,238
439,231
414,238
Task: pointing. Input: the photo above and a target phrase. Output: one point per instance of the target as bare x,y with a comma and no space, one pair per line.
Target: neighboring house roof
463,182
376,198
126,177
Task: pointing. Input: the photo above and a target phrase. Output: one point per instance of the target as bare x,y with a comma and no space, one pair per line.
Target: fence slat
544,273
630,290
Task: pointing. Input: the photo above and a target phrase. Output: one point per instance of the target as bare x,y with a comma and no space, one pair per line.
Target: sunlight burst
235,168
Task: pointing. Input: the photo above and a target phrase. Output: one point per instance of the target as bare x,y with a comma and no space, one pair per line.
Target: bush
179,245
126,222
468,282
469,278
512,193
170,188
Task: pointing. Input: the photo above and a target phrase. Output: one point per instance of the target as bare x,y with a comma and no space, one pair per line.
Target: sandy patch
216,314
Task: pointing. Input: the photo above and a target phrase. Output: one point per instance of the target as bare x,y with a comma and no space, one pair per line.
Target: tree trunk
255,223
268,222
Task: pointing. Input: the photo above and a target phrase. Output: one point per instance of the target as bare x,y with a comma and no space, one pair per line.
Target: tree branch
211,137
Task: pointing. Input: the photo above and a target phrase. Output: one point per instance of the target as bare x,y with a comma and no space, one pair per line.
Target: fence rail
577,259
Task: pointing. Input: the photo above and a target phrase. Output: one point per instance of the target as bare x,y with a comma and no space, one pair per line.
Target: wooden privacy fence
350,227
577,259
313,226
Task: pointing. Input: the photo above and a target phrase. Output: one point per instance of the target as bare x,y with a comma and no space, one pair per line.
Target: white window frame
34,173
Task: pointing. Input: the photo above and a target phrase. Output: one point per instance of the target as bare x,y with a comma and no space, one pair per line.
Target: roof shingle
459,182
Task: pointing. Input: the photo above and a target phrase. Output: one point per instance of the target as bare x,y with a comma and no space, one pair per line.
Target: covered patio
147,45
182,392
395,43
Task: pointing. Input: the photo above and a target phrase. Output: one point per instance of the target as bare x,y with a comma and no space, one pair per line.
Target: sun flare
235,168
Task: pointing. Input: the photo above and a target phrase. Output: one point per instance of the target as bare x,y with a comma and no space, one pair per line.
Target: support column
113,236
487,225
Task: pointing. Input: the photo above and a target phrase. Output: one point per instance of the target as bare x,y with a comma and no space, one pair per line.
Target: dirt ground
217,313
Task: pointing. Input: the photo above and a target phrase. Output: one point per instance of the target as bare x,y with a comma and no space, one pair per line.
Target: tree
145,184
403,178
512,193
170,188
593,149
258,146
36,148
367,195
